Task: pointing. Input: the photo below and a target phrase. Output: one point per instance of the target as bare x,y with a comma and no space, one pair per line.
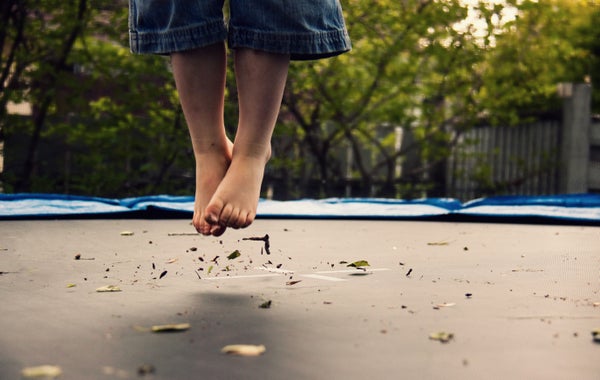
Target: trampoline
504,288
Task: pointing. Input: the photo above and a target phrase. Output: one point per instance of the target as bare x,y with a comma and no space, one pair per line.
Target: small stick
265,239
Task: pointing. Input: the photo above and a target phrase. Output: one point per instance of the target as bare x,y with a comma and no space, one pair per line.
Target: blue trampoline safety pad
571,208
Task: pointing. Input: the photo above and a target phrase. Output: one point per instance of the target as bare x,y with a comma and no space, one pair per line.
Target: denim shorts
304,29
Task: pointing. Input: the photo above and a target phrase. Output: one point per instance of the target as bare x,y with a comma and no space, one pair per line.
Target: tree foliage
410,68
103,121
548,43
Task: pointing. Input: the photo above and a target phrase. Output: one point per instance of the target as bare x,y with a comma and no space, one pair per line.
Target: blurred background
439,98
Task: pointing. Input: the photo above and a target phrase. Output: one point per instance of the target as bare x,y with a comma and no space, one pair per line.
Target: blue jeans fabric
304,29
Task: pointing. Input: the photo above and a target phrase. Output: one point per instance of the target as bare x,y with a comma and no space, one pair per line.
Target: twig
264,239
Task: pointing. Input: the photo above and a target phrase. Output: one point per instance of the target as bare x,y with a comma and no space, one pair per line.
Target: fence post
575,137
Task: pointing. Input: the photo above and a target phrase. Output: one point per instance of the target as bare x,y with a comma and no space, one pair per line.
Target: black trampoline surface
520,300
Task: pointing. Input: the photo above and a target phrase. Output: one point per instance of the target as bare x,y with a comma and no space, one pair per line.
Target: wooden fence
545,157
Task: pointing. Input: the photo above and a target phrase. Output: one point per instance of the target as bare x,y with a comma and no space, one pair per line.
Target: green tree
32,67
104,121
410,68
548,43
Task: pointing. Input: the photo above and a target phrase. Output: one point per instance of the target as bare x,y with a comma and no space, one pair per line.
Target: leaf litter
442,305
46,371
234,255
108,289
439,243
174,327
441,336
359,264
244,349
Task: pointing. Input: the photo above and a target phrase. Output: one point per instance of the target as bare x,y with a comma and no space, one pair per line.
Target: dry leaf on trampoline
42,371
445,304
438,243
175,327
358,264
244,349
441,336
108,289
234,255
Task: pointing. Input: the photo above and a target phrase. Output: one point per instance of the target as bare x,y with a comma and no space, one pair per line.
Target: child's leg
261,80
200,78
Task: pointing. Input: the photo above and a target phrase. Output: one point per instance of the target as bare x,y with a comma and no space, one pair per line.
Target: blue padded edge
571,208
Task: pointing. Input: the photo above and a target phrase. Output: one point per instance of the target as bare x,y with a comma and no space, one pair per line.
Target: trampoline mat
516,301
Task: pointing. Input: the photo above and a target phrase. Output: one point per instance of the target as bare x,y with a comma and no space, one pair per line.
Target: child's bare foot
211,166
235,201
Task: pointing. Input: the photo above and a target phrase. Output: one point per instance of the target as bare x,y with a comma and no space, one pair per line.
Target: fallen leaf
51,371
441,336
438,243
527,270
233,255
596,335
146,369
171,261
445,304
163,274
265,305
170,327
115,372
244,349
210,268
71,285
126,233
358,264
108,288
293,282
